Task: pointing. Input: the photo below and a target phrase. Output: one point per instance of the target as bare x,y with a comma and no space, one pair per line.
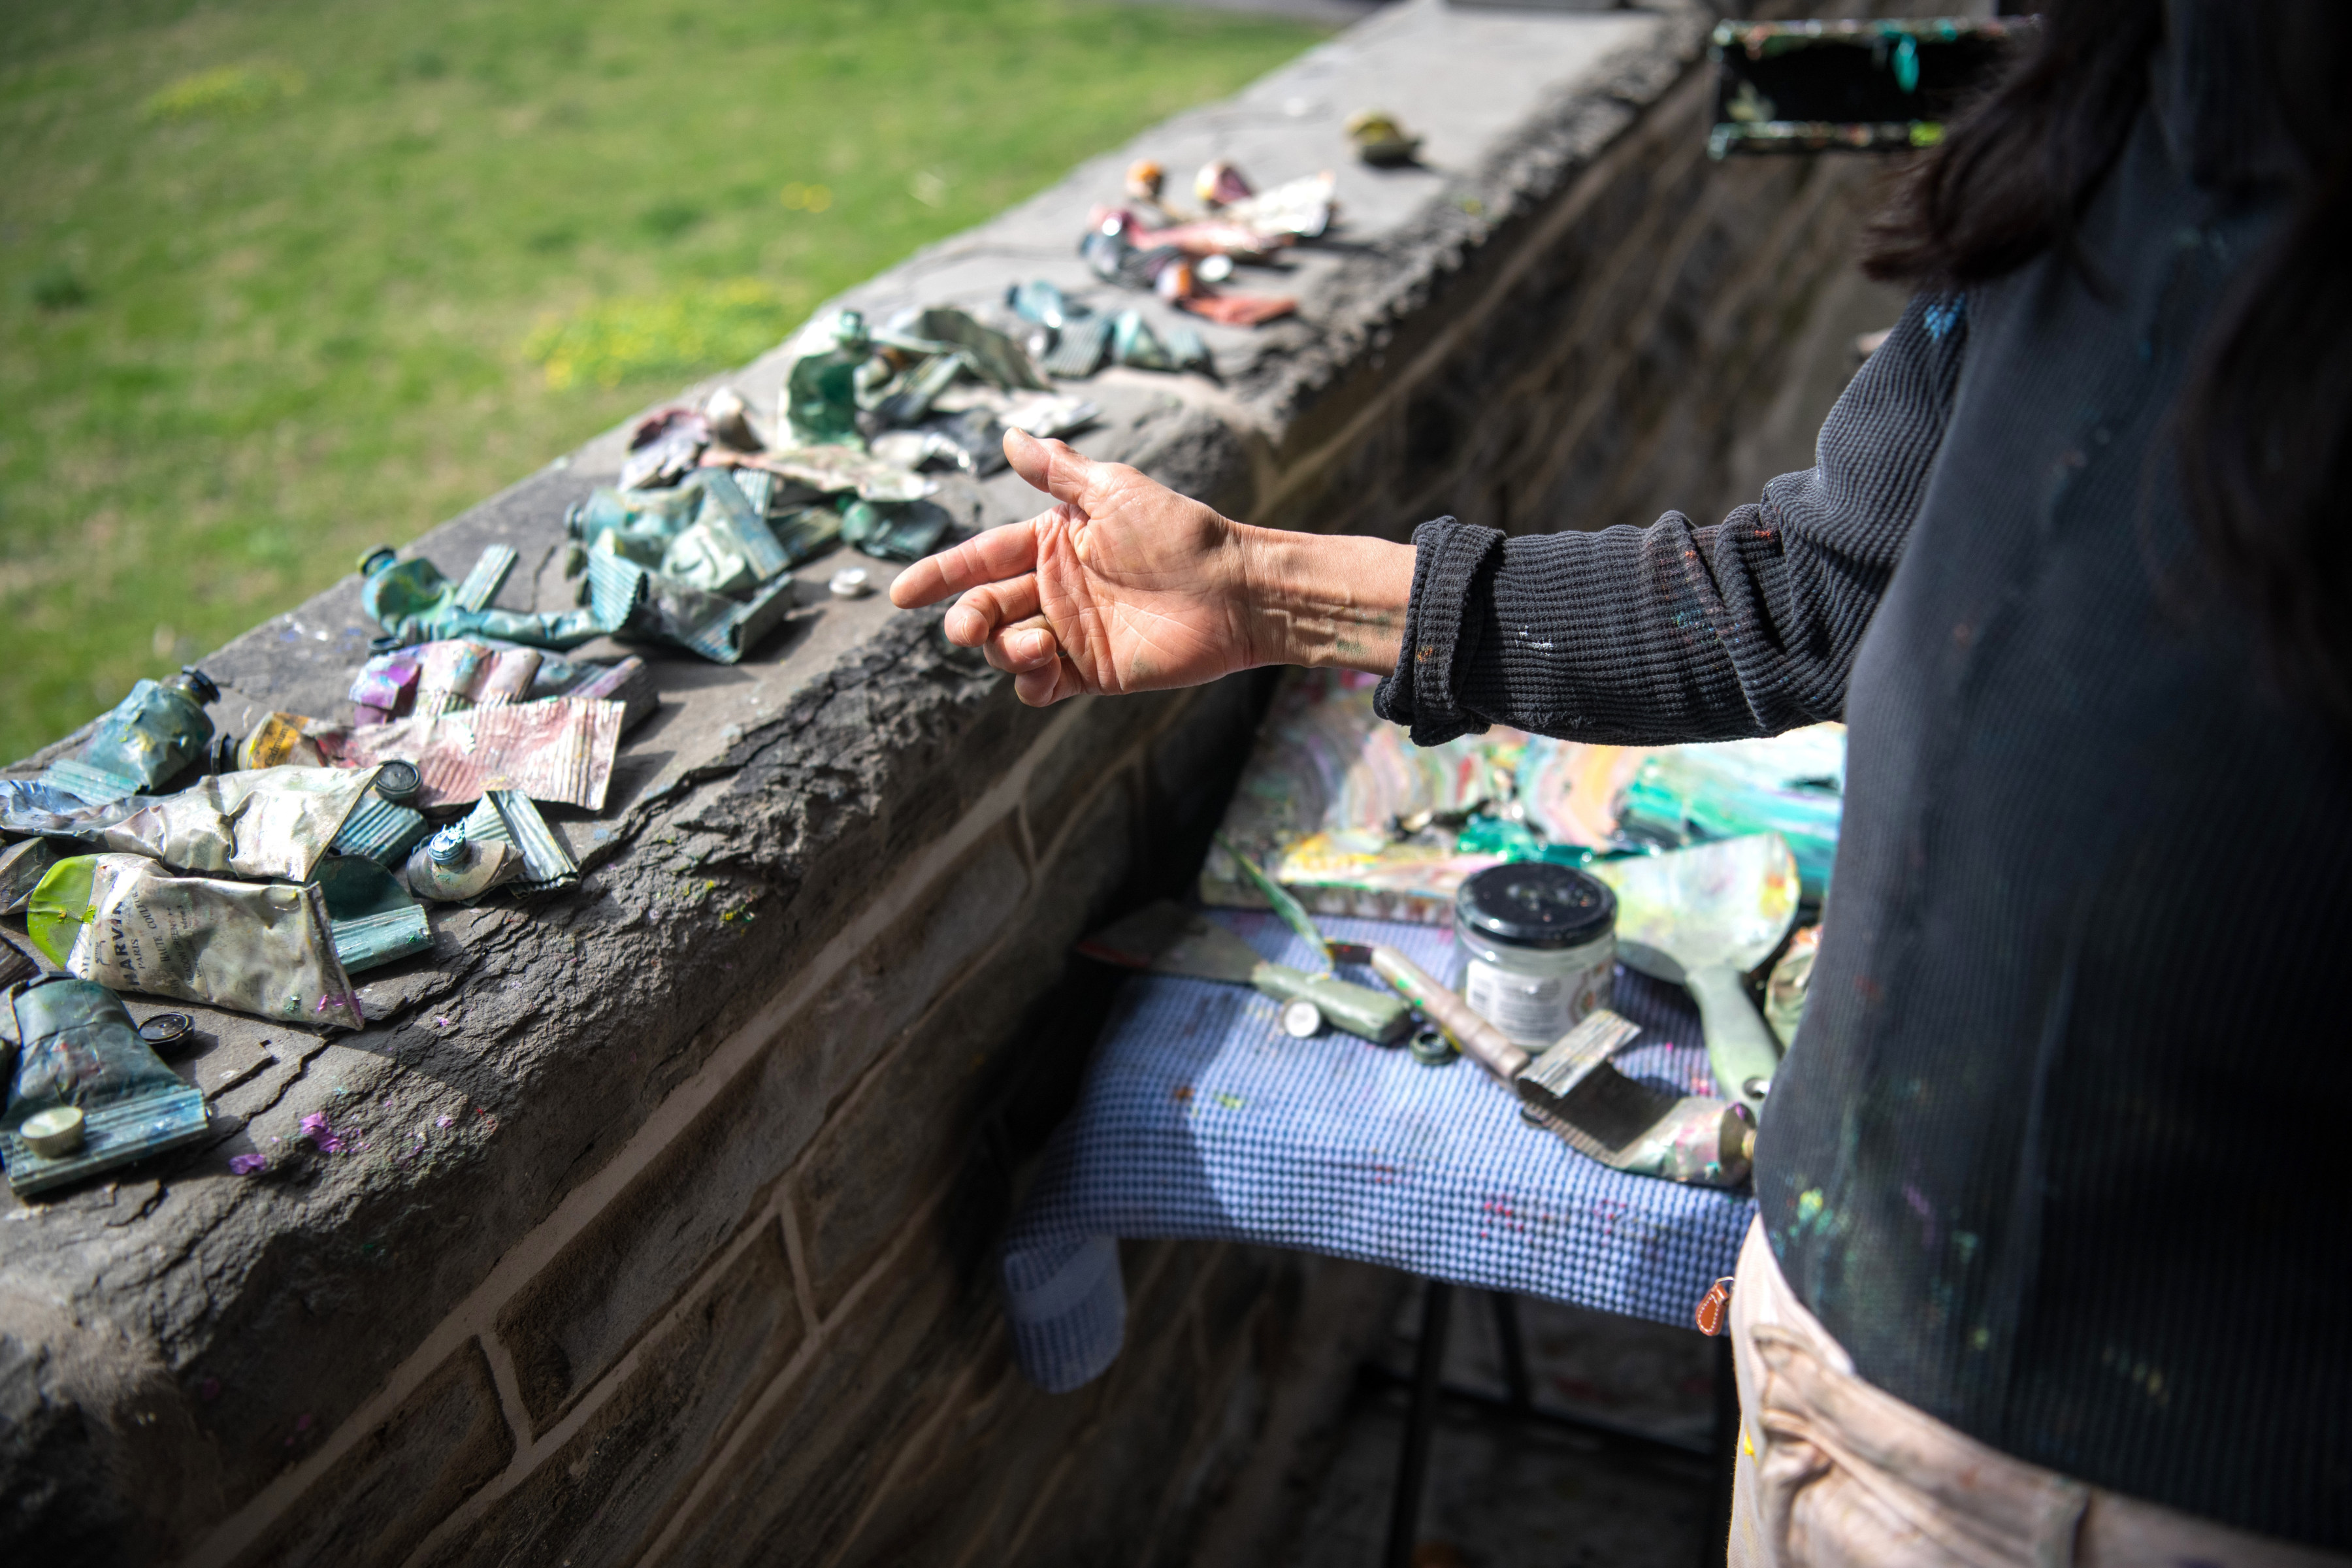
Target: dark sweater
2057,1153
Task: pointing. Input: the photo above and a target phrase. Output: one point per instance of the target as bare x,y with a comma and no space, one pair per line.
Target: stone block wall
663,1231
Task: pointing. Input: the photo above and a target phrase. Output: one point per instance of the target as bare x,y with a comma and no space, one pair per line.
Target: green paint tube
88,1095
145,739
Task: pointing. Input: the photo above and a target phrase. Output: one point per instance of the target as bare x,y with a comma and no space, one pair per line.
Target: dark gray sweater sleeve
1650,636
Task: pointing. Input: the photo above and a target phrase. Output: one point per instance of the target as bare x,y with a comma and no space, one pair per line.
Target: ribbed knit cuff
1453,565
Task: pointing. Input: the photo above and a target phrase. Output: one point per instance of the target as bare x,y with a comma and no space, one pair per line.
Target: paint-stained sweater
2059,1154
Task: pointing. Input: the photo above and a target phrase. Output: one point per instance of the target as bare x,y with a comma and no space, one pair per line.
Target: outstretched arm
1667,633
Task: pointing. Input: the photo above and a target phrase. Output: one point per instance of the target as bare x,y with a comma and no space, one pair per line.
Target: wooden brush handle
1472,1035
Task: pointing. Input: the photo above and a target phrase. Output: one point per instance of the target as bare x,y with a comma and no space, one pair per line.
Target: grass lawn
279,281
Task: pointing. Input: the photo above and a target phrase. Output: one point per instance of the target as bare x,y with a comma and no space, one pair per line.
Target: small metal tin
54,1131
398,782
1301,1019
1431,1049
850,583
167,1032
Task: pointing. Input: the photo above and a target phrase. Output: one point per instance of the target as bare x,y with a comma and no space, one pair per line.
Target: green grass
280,282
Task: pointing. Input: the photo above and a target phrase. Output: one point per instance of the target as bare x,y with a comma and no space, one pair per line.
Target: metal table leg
1420,1427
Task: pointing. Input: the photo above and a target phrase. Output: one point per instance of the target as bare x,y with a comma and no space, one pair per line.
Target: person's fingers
986,557
1045,686
1067,475
983,610
1024,648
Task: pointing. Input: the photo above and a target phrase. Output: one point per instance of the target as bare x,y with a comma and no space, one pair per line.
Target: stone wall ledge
666,1211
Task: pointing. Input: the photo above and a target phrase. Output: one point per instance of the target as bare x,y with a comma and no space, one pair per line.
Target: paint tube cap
197,685
399,783
1430,1048
167,1032
1533,903
376,559
449,845
53,1132
1301,1019
850,583
222,758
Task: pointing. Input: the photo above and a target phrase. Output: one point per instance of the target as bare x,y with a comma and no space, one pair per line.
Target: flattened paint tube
15,964
22,867
661,609
141,742
257,948
831,470
561,748
270,823
385,687
415,604
380,828
29,805
453,868
508,817
281,739
87,1089
630,683
371,915
488,575
902,533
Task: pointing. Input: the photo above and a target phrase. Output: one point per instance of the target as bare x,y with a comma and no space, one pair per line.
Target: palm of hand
1138,590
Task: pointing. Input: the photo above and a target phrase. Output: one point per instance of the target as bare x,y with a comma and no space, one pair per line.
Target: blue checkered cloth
1200,1118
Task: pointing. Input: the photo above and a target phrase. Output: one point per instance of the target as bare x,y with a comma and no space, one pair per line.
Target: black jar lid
398,783
1533,903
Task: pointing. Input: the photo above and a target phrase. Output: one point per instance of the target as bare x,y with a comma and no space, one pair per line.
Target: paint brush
1165,938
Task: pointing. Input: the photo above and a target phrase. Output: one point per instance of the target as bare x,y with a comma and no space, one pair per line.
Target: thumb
1051,465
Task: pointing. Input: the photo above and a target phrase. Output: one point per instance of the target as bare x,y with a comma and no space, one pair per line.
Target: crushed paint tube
1382,139
908,532
22,867
663,610
29,805
664,446
1790,980
508,817
1301,209
385,825
269,822
160,729
995,357
453,868
629,683
415,604
458,673
281,739
261,948
491,569
15,964
370,917
834,469
385,687
820,393
704,533
107,1099
556,749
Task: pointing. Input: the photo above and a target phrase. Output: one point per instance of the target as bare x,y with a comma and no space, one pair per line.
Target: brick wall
700,1272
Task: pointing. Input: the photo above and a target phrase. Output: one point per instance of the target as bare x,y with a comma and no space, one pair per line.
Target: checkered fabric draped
1200,1118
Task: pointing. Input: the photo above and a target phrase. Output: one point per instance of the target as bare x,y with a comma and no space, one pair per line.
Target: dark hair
2265,421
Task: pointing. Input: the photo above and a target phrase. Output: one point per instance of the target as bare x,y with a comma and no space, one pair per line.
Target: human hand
1125,586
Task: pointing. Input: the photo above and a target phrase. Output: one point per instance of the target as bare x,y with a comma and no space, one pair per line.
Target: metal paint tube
508,817
81,1058
381,831
280,739
489,574
371,916
561,748
22,867
15,964
451,867
141,742
257,948
270,823
654,606
415,604
630,683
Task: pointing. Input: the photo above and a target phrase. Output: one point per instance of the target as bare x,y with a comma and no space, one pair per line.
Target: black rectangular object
1855,86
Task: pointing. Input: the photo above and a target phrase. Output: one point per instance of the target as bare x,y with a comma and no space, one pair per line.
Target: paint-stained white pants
1834,1473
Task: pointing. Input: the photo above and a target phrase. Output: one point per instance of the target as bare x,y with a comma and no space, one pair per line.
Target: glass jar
1539,948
